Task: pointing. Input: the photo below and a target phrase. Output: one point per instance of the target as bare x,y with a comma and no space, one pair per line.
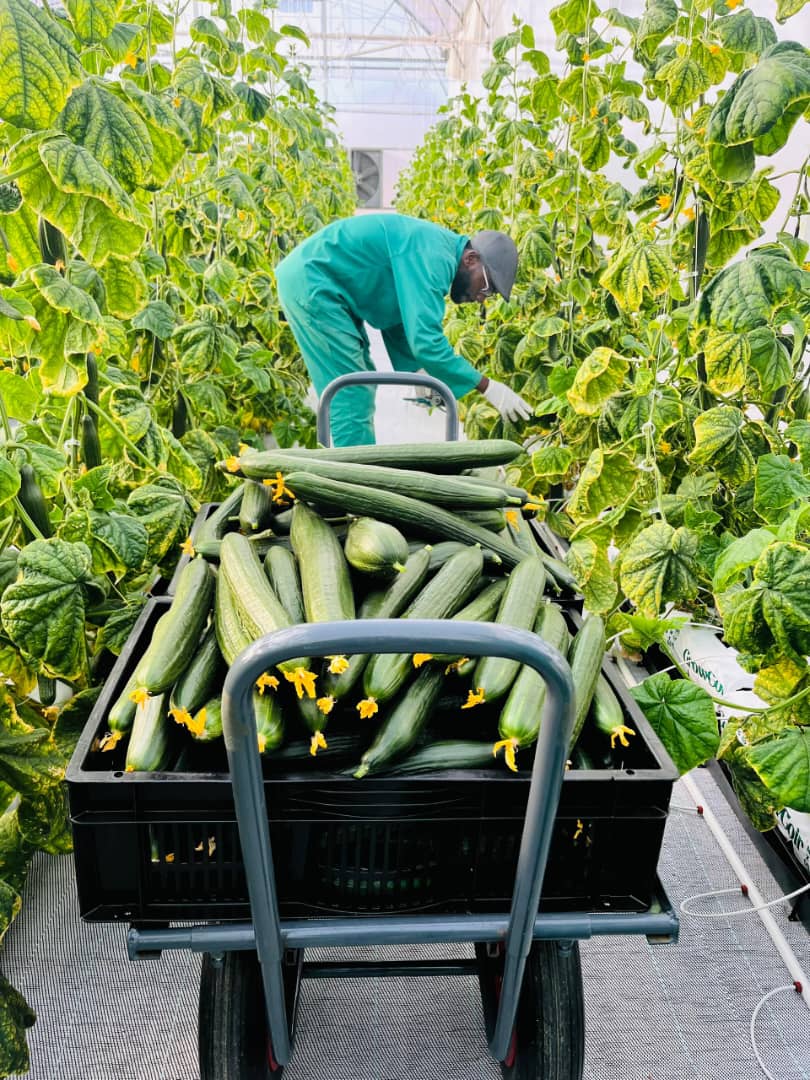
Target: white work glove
510,405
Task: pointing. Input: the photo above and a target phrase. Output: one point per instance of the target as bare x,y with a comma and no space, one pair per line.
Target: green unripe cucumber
403,726
375,547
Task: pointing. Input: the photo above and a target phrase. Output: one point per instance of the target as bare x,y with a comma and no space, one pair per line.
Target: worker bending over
394,273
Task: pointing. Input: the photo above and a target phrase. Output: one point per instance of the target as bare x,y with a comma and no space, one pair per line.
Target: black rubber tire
549,1039
233,1039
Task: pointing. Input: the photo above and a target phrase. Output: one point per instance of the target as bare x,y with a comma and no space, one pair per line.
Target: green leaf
255,102
797,431
663,408
659,565
111,130
128,406
204,346
9,481
659,18
116,630
778,484
39,65
158,318
783,765
769,359
66,185
93,20
15,1016
744,295
168,133
775,607
20,395
48,465
125,286
165,513
741,554
590,566
639,266
573,16
599,377
682,716
765,101
43,612
117,542
640,632
719,444
289,30
551,461
745,33
605,481
726,356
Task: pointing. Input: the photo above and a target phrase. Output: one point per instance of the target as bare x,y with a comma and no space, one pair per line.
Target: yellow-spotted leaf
20,395
111,130
746,35
66,185
785,9
125,286
128,406
638,267
726,355
660,564
659,18
168,132
590,566
93,20
551,461
9,479
783,765
605,481
21,233
779,485
686,80
720,444
38,63
63,296
599,377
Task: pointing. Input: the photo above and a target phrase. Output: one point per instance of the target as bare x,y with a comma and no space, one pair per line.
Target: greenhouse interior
405,559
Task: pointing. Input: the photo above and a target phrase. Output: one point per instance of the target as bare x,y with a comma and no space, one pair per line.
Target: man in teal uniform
394,273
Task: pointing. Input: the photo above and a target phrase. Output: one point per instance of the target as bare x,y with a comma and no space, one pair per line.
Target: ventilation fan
367,169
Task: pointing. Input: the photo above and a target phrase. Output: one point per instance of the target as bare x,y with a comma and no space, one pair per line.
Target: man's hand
510,405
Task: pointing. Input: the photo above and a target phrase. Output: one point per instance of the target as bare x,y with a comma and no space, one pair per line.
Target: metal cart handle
389,636
388,378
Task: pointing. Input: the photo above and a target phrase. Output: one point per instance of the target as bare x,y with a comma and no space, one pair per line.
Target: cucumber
149,748
197,683
281,569
325,579
437,489
386,605
520,717
206,724
178,632
520,604
585,657
410,514
441,552
269,714
257,606
439,599
91,447
374,547
559,572
520,532
607,713
437,756
487,519
481,608
441,457
220,520
403,726
341,744
256,508
32,501
282,522
121,715
492,477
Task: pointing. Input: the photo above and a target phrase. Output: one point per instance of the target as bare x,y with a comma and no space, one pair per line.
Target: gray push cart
270,860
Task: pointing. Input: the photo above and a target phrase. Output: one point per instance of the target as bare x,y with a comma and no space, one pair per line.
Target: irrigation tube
781,943
783,947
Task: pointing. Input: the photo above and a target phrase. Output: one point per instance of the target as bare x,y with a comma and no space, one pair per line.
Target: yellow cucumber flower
367,708
421,658
181,716
303,680
513,519
139,696
262,740
456,666
266,680
620,732
337,664
474,697
233,464
317,742
689,213
110,740
509,747
326,704
664,201
187,547
197,725
579,830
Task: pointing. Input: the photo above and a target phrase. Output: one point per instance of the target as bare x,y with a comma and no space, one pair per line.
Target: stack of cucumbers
427,531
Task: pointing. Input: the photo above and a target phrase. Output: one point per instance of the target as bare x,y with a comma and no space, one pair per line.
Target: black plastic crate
164,846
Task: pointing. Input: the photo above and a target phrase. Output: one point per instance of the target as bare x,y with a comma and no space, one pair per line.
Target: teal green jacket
393,272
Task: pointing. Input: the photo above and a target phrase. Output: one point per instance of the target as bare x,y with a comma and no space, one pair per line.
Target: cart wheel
548,1041
234,1043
